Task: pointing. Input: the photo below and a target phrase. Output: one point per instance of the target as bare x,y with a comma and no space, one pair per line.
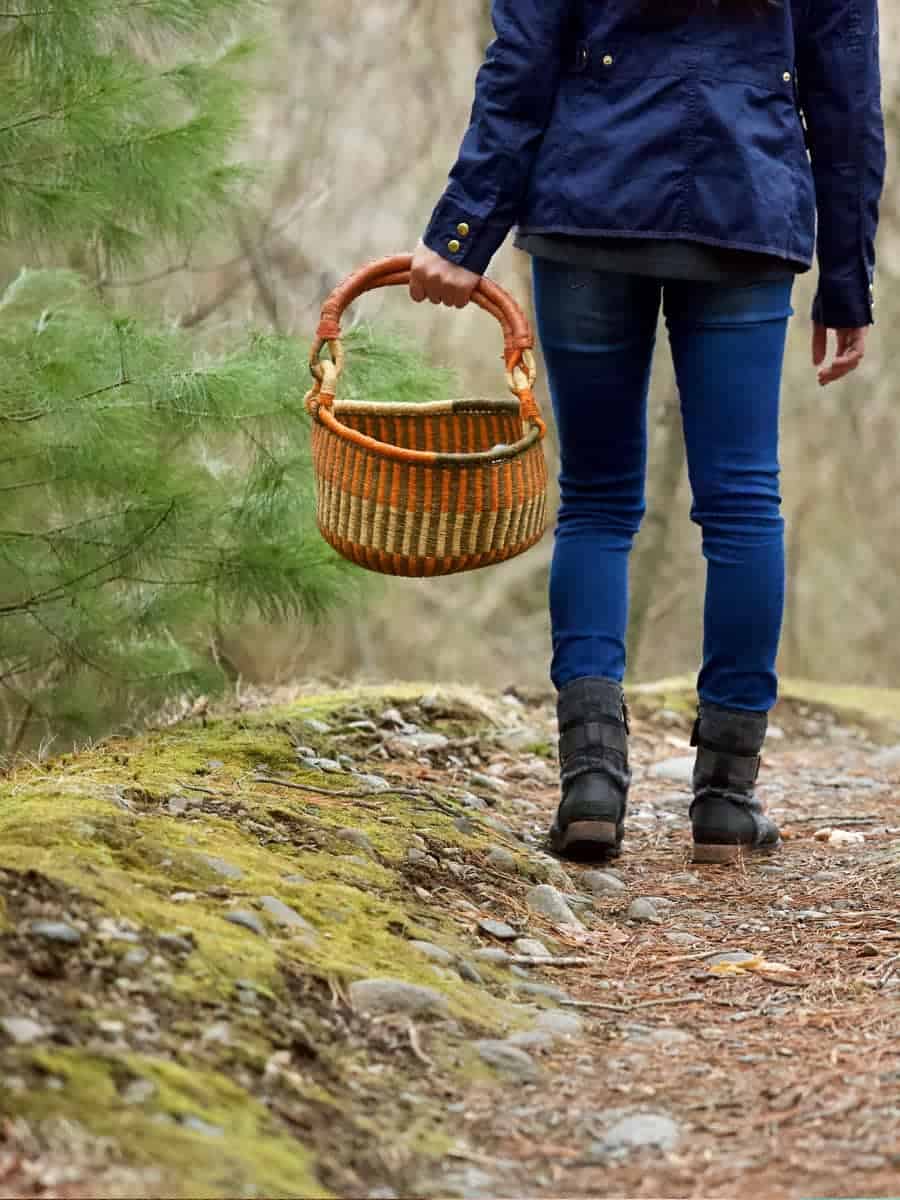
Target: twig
308,787
837,818
528,960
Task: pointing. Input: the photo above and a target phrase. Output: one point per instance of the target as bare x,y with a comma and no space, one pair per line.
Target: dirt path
207,1042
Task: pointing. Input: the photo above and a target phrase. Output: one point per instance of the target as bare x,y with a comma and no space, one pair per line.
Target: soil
176,1052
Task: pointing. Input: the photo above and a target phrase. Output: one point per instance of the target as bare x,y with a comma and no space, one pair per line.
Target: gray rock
283,914
681,770
55,931
22,1030
136,957
420,858
375,783
498,929
517,740
531,1039
547,901
177,806
510,1059
488,781
215,764
678,938
362,726
468,972
602,883
435,953
226,869
465,826
491,954
559,1023
295,879
729,956
639,1131
410,744
501,859
643,910
648,1033
543,989
382,1193
392,716
660,902
685,878
219,1032
532,947
176,943
330,766
317,726
470,800
249,920
467,1183
393,995
357,838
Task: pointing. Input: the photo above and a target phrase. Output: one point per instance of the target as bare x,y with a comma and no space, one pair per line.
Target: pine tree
149,491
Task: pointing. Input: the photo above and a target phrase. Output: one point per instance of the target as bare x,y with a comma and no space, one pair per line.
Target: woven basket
427,489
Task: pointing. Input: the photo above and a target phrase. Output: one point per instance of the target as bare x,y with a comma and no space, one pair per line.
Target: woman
649,155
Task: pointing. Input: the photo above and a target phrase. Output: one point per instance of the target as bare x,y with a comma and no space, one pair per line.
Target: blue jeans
597,331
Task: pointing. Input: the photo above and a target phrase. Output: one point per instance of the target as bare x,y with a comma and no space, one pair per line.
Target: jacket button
787,77
453,246
462,229
608,60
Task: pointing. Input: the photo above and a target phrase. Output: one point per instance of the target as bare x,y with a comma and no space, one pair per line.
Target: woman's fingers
434,278
851,349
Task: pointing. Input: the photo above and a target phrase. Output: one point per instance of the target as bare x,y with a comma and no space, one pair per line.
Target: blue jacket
729,133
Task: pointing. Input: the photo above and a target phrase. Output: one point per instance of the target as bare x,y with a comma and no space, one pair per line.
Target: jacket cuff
462,237
838,306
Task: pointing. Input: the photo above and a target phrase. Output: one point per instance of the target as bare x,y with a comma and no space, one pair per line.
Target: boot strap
723,768
593,735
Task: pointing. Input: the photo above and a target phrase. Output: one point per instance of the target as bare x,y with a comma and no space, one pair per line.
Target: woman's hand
434,278
851,349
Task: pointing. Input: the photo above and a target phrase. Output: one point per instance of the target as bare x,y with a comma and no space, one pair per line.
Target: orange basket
427,489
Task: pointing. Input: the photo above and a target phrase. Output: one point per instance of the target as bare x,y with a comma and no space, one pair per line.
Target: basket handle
518,339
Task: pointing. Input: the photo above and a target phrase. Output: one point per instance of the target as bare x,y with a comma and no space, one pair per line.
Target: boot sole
588,841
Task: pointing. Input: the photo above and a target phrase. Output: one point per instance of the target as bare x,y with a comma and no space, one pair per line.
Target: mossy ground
135,839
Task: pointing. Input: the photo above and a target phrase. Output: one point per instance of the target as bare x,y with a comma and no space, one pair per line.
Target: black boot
593,756
727,816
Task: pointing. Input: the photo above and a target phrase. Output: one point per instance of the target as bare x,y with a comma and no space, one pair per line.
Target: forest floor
278,951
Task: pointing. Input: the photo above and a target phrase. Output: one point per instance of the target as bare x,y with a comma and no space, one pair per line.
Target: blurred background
359,151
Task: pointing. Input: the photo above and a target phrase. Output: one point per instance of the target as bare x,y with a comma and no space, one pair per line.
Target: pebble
685,878
55,931
517,740
363,726
392,995
680,770
501,859
470,973
602,883
643,910
678,938
22,1030
421,858
177,806
435,953
491,954
176,943
510,1059
488,781
532,947
529,1039
374,782
283,914
547,901
249,920
498,929
226,869
558,1023
330,766
136,957
317,726
639,1131
219,1031
410,744
547,990
470,800
358,838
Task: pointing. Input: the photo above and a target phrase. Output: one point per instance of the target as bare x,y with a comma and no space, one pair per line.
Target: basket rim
326,416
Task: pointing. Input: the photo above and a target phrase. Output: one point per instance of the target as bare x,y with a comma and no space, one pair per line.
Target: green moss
249,1157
